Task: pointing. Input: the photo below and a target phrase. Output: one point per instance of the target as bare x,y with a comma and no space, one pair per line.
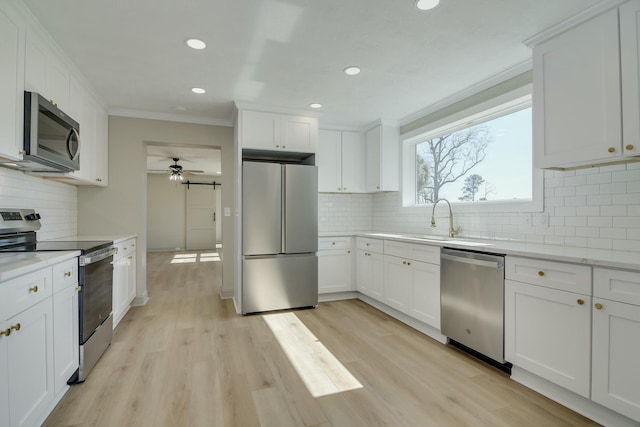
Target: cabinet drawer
65,274
124,249
371,245
329,243
556,275
617,285
22,292
424,253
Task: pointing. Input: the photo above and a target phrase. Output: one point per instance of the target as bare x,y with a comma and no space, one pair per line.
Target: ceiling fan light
426,4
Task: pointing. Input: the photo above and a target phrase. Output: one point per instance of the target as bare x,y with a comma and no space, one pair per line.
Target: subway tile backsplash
56,202
594,208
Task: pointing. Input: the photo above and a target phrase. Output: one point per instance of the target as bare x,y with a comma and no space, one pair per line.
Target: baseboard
226,293
575,402
408,320
337,296
141,300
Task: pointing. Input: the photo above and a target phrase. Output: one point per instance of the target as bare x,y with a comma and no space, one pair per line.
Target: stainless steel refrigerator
279,236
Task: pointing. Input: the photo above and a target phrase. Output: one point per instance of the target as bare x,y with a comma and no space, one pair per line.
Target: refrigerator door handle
283,205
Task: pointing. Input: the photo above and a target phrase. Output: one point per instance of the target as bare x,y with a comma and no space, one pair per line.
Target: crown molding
243,105
572,21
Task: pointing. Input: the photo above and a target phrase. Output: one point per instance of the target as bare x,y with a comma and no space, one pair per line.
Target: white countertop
117,238
14,264
595,257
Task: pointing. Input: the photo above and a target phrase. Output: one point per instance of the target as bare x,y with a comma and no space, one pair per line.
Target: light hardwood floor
186,359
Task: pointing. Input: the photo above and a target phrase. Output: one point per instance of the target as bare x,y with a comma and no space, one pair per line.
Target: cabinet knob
612,150
284,146
79,288
378,187
348,252
277,145
580,301
23,152
333,243
598,306
367,244
16,327
540,273
6,332
34,289
629,147
67,274
408,263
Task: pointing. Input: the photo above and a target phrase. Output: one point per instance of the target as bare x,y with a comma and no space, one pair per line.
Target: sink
432,238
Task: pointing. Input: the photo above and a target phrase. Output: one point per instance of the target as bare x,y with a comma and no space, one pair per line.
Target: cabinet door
131,278
397,283
377,276
57,81
329,161
334,271
119,289
35,71
4,376
548,333
30,364
260,130
373,140
11,86
616,352
66,350
364,273
630,63
299,134
577,113
424,304
352,163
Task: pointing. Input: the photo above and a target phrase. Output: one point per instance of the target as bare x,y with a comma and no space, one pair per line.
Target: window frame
499,106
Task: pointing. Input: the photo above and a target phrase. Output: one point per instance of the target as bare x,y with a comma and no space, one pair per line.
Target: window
484,159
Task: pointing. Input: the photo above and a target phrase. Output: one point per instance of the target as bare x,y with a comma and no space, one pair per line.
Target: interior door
201,227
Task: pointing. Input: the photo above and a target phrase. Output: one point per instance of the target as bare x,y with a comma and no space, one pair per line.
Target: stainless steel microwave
51,137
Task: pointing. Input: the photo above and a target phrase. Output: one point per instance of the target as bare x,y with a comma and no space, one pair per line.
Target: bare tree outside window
471,188
446,159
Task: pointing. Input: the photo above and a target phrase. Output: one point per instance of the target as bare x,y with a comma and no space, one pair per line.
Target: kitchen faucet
452,231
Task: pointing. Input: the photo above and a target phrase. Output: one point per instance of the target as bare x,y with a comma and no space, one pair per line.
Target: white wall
122,206
166,211
56,202
593,208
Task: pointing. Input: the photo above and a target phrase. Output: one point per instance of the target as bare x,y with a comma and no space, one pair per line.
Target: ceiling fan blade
193,171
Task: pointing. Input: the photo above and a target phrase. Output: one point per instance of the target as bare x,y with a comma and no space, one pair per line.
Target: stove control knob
32,217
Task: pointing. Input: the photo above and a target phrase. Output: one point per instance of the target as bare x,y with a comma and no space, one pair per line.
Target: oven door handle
86,260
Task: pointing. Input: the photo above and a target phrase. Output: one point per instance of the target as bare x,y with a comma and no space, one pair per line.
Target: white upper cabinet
630,48
269,131
382,159
578,104
11,84
340,160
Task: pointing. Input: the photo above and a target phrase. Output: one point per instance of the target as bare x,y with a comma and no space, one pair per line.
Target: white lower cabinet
370,268
66,336
29,363
424,304
38,341
334,264
124,279
398,280
548,333
616,341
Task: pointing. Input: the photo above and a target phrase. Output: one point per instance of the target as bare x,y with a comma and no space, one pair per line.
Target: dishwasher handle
491,264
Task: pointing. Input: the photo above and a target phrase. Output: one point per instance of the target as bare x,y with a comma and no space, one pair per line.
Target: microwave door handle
72,132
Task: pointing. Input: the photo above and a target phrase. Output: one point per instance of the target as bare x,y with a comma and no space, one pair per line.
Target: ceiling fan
176,170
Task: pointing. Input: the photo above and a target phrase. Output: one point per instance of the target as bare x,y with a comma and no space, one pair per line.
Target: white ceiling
289,53
159,157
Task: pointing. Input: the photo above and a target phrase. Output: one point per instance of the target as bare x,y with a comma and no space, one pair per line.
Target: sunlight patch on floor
321,372
191,258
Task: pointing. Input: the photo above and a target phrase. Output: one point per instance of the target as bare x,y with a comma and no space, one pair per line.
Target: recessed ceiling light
198,90
196,44
352,70
315,105
426,4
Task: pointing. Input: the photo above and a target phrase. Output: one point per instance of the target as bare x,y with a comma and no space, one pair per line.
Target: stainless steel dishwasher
472,301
